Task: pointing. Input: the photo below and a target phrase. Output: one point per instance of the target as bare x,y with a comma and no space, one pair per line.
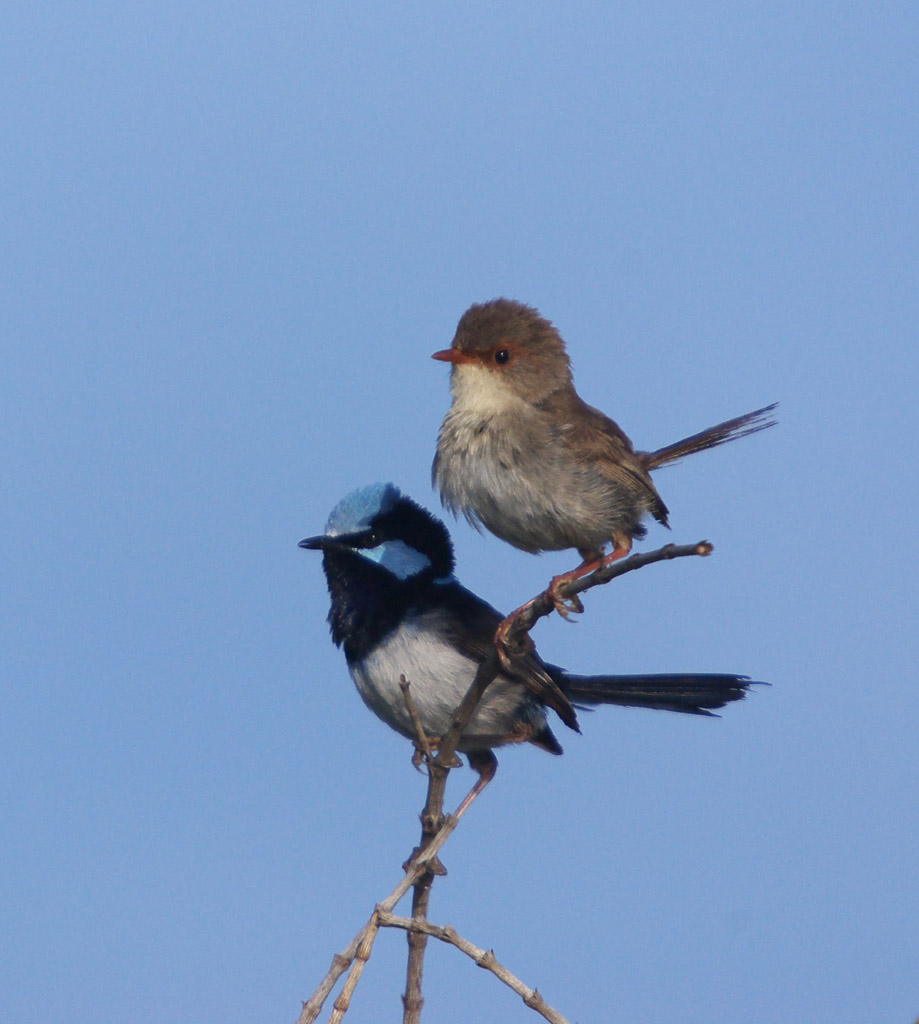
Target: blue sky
232,236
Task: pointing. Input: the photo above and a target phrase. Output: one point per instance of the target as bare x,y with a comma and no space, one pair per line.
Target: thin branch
431,818
413,1000
541,605
423,742
416,866
361,956
342,961
482,957
484,677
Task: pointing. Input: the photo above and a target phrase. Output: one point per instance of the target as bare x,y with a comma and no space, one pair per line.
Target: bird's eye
502,356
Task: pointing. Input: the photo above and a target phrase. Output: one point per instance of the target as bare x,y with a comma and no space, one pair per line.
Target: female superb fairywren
520,452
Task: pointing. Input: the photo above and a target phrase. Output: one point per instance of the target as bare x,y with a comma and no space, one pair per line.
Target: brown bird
520,452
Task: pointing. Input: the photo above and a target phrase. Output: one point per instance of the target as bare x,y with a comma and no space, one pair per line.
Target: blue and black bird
398,610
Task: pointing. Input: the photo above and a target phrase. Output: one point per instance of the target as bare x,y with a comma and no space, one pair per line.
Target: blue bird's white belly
440,675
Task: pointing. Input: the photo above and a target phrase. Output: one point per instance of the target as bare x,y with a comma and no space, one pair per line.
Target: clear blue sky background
232,235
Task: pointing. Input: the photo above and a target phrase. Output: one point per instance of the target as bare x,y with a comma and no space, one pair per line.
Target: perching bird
520,452
398,610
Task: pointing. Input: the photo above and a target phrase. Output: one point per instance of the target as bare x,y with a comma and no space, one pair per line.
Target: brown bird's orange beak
455,356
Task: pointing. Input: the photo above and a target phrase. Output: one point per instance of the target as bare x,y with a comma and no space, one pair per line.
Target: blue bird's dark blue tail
691,694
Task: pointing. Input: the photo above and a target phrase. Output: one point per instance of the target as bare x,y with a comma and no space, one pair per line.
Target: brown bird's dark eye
502,356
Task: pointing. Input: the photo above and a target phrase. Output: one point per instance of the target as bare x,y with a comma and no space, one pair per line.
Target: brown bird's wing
592,438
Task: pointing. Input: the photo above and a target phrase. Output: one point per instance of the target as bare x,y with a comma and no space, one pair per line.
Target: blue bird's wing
470,626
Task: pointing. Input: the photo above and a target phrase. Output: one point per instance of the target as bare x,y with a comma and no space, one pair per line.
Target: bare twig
423,743
484,677
361,956
482,957
431,818
529,614
342,961
413,1000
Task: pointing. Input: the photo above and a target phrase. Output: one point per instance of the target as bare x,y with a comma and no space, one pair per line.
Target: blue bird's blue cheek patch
398,558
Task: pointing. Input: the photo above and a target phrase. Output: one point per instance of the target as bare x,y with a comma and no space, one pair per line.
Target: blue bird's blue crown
393,531
357,510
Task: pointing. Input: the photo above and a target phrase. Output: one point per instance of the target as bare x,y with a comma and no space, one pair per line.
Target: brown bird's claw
565,606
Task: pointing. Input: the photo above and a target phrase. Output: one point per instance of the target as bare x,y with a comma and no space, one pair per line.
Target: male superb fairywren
398,610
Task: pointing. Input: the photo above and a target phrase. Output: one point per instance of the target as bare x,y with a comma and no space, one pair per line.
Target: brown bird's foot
567,606
590,564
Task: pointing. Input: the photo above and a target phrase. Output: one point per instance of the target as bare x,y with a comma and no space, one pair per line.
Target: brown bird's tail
730,430
691,694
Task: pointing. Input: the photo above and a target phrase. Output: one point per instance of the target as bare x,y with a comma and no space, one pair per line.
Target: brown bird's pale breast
534,477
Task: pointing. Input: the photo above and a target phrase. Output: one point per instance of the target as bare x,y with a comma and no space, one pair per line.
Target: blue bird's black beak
314,543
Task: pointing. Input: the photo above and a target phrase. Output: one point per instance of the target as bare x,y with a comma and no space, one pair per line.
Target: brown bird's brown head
510,346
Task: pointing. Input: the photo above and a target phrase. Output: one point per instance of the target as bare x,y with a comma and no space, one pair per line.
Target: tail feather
691,694
730,430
